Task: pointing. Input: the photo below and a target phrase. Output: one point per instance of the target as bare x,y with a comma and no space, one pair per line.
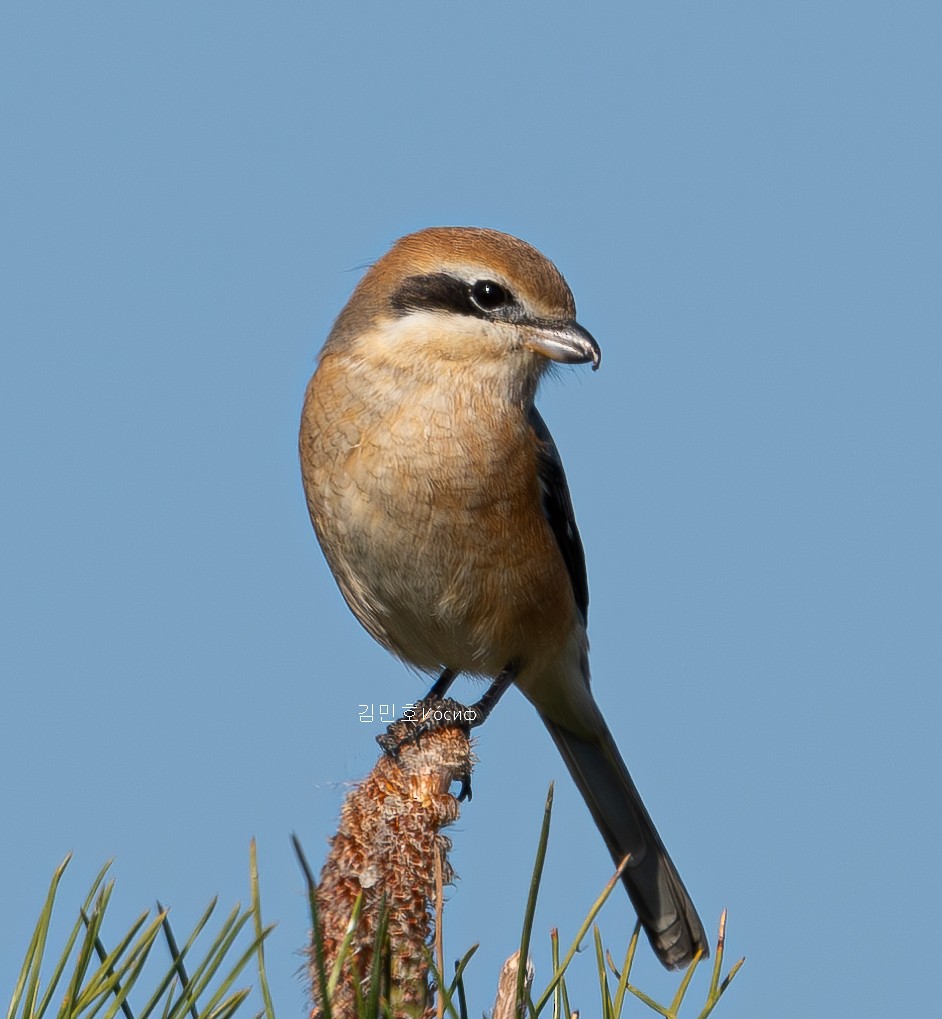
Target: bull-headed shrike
439,499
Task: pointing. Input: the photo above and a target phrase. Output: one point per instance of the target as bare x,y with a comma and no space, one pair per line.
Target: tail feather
664,907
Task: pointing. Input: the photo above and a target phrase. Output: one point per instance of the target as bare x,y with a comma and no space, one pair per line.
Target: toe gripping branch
427,716
435,712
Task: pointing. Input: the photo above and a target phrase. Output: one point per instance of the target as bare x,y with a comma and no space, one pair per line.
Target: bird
441,505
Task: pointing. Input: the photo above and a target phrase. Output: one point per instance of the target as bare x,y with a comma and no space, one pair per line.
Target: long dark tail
666,911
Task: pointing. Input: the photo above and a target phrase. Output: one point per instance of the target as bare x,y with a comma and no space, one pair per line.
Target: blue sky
745,200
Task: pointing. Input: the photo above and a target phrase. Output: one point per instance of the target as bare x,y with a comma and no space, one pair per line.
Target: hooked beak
568,343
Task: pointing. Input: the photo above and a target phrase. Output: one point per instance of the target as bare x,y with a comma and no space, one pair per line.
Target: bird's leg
493,694
434,712
441,685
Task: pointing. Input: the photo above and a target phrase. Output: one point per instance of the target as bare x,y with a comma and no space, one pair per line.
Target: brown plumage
441,505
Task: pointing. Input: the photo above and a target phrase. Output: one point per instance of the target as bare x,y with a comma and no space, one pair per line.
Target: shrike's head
462,294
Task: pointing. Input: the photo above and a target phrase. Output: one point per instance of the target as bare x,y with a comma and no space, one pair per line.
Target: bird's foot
435,711
425,716
429,715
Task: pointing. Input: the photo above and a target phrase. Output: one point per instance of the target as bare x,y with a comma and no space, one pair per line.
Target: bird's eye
489,296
